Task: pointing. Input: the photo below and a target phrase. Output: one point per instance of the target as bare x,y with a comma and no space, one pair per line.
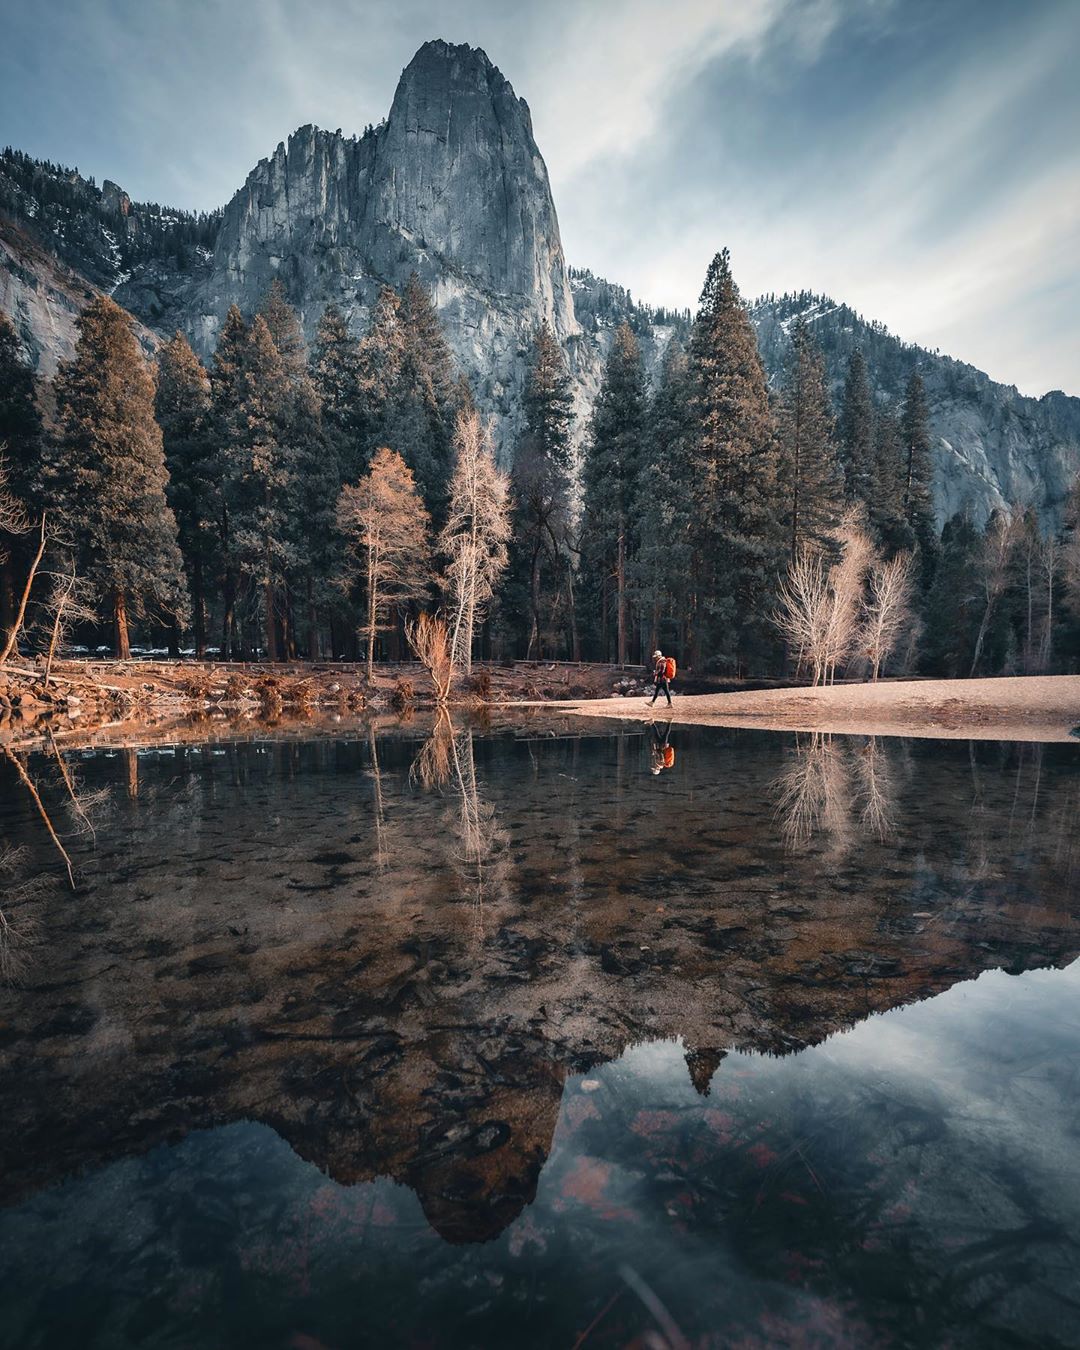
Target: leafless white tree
997,551
847,579
476,533
820,609
804,595
887,613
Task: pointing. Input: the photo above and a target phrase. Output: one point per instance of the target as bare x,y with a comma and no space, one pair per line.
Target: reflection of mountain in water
397,971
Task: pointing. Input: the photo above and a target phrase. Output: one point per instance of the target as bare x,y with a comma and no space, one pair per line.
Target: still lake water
502,1039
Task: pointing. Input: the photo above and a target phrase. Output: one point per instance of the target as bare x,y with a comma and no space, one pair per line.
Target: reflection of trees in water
19,887
877,795
839,787
20,883
481,856
813,793
375,773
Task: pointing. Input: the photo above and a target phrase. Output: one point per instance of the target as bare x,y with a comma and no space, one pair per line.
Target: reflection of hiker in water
662,753
663,672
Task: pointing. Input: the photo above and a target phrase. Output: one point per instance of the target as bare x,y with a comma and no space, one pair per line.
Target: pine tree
541,485
918,475
1069,567
386,530
738,537
811,474
257,466
225,417
953,606
857,430
286,331
382,352
424,397
182,407
20,453
663,507
109,474
610,475
886,496
309,498
336,371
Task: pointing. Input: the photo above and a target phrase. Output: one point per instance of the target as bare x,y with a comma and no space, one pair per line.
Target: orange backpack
669,668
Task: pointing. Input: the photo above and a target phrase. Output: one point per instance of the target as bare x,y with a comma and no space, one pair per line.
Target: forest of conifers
254,507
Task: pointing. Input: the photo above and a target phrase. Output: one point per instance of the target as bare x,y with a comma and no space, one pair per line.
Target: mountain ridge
451,185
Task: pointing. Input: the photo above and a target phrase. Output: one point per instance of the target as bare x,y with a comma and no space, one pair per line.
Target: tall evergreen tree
20,452
541,485
918,474
738,536
1068,566
225,417
954,604
663,508
811,474
857,430
423,400
285,328
610,475
886,495
182,407
309,501
109,474
382,353
336,371
257,466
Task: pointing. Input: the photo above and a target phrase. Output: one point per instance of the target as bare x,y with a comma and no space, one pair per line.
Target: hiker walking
663,673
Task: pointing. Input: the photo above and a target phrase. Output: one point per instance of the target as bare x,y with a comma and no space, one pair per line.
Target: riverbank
126,700
1008,708
82,697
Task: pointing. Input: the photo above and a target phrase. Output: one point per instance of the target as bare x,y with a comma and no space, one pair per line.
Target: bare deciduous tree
819,609
803,595
886,609
847,579
14,521
476,533
994,573
386,530
430,640
70,601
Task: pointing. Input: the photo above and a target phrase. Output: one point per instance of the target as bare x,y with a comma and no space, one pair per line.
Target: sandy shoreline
1009,708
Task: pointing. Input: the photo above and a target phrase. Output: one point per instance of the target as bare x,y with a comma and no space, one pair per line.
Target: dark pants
661,686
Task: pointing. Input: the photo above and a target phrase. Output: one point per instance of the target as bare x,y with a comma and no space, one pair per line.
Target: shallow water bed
466,1039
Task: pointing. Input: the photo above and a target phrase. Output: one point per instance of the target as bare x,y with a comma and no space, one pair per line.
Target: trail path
1022,707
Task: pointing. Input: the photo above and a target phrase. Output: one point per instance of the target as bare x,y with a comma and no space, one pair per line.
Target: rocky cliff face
453,187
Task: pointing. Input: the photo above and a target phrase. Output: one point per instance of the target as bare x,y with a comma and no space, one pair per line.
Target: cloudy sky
919,159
